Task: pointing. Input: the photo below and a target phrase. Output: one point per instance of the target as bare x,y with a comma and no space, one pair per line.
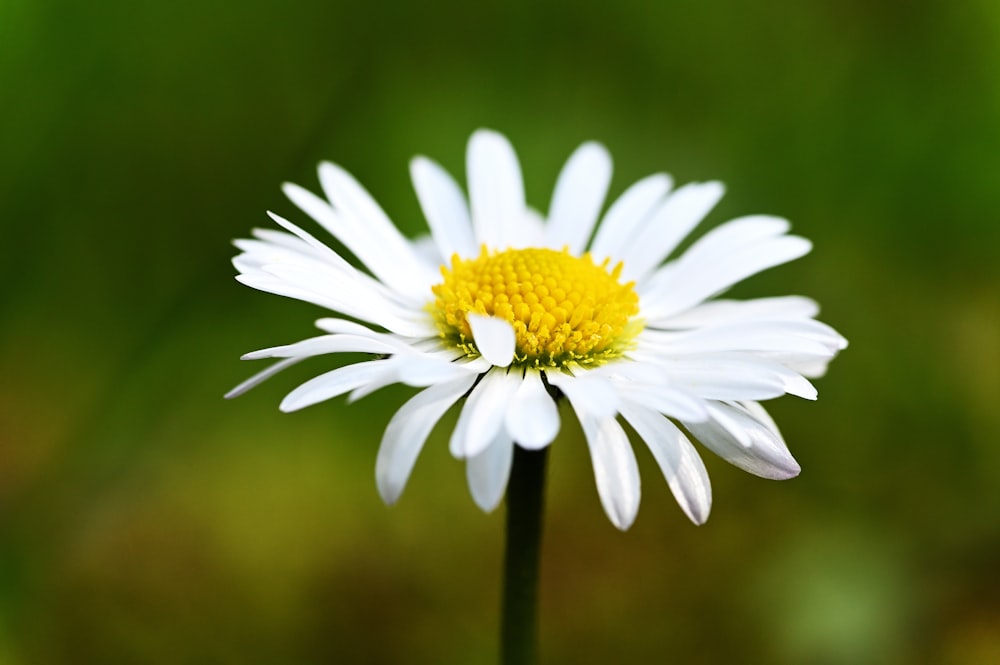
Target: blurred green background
145,520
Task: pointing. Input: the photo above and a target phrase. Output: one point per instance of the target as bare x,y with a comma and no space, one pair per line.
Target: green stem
525,499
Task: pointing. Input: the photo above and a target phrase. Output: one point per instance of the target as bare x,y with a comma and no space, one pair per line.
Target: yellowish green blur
145,520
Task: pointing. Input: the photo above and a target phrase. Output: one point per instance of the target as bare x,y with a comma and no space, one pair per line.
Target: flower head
512,310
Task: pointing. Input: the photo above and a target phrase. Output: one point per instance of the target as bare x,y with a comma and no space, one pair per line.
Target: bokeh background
145,520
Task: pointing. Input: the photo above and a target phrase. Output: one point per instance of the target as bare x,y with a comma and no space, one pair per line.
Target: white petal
650,385
719,312
306,251
666,400
387,377
494,337
320,249
408,430
483,413
532,418
736,234
812,367
590,390
496,190
729,376
413,369
427,250
316,346
746,247
488,472
766,455
627,214
531,231
377,241
423,369
332,383
445,208
353,234
667,227
796,336
338,291
578,197
678,460
334,325
615,468
726,418
260,377
760,414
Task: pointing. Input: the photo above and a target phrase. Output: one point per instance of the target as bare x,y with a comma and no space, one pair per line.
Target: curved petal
367,244
591,391
496,191
494,337
650,385
425,369
720,312
627,214
333,383
531,231
338,290
483,413
532,418
315,346
578,197
615,468
261,377
791,336
307,246
665,399
678,460
699,275
444,207
729,376
487,473
667,227
408,430
765,454
374,239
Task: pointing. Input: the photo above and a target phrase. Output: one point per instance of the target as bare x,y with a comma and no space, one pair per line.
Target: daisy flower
505,311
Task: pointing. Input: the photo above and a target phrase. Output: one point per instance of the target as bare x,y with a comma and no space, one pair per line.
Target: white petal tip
388,498
714,188
622,522
290,189
784,469
483,134
288,406
493,337
698,520
789,471
389,488
801,387
487,506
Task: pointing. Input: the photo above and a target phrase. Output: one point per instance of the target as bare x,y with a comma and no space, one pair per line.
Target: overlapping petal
700,361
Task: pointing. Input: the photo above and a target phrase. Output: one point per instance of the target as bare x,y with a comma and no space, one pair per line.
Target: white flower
510,309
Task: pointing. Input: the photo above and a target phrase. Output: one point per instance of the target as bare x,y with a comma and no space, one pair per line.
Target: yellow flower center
564,309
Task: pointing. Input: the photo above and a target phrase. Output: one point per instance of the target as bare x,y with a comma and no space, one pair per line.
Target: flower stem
525,502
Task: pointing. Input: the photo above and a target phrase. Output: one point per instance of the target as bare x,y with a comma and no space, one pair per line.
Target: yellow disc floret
565,309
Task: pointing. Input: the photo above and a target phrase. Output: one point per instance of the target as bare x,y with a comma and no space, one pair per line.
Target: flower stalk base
525,504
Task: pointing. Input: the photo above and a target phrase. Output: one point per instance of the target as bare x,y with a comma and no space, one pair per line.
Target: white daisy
509,310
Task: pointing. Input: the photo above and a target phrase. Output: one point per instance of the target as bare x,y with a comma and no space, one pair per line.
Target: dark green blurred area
145,520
